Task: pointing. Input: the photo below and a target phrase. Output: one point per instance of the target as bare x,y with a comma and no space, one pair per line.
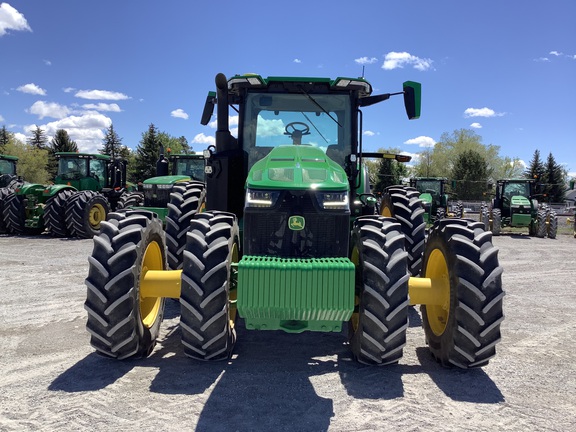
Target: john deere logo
296,223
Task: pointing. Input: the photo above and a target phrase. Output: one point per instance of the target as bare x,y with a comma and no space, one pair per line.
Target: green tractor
174,197
289,241
86,187
435,198
515,205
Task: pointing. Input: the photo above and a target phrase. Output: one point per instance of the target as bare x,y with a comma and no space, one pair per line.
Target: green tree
389,171
555,181
112,145
38,139
509,168
4,139
60,143
31,161
439,162
535,168
147,154
173,145
470,173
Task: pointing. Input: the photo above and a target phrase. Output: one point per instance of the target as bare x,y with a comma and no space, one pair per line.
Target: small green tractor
86,187
289,241
435,198
515,205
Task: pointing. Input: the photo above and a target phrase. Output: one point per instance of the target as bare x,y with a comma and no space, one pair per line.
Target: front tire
4,192
496,221
85,210
377,328
121,323
206,320
14,213
130,199
463,328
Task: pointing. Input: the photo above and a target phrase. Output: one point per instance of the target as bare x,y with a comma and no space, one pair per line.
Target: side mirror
412,99
571,184
208,108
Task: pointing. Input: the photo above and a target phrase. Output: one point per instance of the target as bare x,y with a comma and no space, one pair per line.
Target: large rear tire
55,214
377,329
206,321
541,225
121,323
14,213
3,194
185,201
496,221
85,210
464,327
404,204
552,224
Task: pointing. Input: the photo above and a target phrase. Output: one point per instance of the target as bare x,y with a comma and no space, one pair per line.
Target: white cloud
47,62
555,53
476,126
204,139
297,60
542,59
68,89
20,137
267,128
368,133
87,130
481,112
394,60
32,89
179,113
366,60
232,121
100,95
11,19
102,107
421,141
48,109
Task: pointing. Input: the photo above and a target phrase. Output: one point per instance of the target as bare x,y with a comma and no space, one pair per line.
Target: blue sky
505,69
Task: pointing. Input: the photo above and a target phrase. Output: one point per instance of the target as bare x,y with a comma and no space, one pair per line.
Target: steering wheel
295,133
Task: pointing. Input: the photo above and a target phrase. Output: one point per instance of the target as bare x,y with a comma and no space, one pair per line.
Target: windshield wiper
319,106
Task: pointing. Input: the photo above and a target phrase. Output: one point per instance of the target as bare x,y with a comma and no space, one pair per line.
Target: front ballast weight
459,289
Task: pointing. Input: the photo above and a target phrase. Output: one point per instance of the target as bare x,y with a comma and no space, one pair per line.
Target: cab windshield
322,121
72,168
7,167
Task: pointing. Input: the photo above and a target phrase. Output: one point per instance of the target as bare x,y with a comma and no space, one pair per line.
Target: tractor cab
191,165
515,199
7,170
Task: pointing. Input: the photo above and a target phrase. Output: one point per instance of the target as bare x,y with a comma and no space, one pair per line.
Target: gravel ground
53,380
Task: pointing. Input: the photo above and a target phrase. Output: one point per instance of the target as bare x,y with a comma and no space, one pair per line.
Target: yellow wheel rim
233,294
150,306
437,270
387,212
97,214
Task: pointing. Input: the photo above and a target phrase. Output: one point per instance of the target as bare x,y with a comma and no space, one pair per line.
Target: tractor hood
519,200
297,167
426,198
166,180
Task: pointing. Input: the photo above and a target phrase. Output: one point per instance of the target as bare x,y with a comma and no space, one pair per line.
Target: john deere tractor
289,241
86,187
435,198
515,205
174,197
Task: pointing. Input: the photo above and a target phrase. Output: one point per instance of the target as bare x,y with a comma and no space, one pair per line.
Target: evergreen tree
60,143
4,139
38,139
555,181
390,172
147,154
470,173
535,169
112,144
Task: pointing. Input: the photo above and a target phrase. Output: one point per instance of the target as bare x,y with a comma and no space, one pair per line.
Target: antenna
363,66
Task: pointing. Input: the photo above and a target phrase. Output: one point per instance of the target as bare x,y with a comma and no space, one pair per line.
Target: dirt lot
52,379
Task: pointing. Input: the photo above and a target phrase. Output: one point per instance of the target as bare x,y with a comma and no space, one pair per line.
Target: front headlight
333,200
260,198
164,186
